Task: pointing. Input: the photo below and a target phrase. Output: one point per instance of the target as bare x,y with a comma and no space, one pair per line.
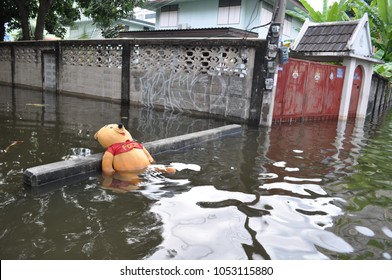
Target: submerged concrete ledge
63,170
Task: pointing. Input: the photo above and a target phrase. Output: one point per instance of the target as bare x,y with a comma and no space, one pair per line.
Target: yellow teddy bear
123,154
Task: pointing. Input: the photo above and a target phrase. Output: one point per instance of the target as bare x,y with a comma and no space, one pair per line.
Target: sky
318,4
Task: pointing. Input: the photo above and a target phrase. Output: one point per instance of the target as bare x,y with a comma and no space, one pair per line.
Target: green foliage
105,12
382,30
336,12
19,35
8,10
18,13
59,14
113,31
380,23
384,70
380,18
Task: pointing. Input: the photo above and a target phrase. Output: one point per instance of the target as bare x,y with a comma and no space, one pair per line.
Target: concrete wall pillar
367,72
267,106
125,72
257,87
350,64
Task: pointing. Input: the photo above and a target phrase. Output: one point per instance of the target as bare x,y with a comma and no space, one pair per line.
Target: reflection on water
300,191
206,223
283,214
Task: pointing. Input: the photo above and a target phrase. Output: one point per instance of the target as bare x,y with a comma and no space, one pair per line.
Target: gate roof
333,41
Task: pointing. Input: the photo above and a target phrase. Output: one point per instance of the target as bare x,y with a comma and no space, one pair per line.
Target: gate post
365,89
256,99
58,60
271,61
13,61
125,72
347,88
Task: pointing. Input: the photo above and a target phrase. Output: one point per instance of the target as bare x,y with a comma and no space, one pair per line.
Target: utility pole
273,57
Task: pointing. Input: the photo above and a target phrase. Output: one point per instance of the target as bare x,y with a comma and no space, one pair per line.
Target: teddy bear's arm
150,158
107,164
107,181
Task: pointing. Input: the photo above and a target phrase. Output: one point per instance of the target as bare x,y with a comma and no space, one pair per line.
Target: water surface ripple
319,190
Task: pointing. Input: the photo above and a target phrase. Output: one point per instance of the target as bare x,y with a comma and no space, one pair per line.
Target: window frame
229,12
169,16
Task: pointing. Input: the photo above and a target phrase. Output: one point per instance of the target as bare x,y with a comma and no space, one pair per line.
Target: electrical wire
276,11
262,25
259,26
257,6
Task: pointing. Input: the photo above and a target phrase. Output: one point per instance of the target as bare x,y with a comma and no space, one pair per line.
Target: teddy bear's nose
120,126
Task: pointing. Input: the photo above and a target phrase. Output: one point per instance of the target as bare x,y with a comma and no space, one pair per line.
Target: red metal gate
289,96
308,90
355,92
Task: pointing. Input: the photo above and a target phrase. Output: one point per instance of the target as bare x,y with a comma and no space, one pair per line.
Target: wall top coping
249,42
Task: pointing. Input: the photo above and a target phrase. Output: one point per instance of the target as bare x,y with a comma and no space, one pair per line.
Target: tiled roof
334,41
328,37
191,32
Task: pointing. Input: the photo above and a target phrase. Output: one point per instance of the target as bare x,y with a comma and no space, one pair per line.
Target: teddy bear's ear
96,136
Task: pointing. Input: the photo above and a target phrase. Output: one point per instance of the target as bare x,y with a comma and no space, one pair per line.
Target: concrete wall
21,64
95,81
207,77
91,68
5,65
210,77
28,66
215,80
380,97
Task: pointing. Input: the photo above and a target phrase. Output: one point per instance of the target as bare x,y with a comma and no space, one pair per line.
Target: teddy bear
124,158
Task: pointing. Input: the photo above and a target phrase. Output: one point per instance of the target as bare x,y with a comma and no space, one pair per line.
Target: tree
26,9
53,15
43,9
105,12
8,11
61,14
380,23
383,38
380,19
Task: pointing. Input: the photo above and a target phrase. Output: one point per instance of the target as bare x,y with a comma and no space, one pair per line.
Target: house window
229,11
149,16
169,16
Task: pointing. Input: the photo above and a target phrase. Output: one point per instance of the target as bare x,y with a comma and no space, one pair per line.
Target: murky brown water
300,191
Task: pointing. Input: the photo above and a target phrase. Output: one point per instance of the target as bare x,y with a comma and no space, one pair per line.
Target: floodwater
318,190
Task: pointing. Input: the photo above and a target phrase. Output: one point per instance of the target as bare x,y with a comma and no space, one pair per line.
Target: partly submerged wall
380,97
211,77
219,77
